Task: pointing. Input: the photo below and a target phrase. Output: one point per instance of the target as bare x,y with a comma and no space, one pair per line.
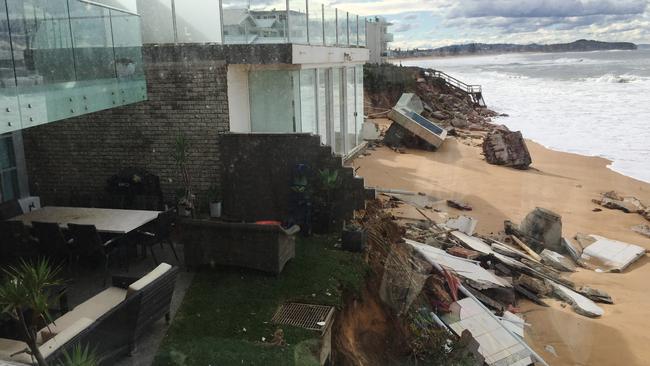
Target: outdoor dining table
109,221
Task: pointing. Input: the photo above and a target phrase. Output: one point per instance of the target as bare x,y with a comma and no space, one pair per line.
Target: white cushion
59,340
92,308
148,278
8,347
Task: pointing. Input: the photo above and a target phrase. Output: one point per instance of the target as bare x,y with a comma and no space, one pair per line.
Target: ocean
589,103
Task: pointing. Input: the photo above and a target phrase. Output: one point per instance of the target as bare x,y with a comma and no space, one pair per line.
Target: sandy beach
562,182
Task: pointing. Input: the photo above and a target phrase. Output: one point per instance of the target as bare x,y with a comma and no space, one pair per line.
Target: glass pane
342,27
256,21
128,45
337,120
315,23
362,31
308,100
353,27
350,104
330,26
7,75
9,185
41,41
298,21
7,157
93,41
157,25
358,71
198,21
271,105
322,105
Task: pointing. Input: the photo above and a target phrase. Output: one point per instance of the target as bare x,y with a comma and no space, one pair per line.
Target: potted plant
24,296
214,197
353,238
185,197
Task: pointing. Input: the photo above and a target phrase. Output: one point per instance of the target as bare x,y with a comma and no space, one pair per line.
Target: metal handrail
469,89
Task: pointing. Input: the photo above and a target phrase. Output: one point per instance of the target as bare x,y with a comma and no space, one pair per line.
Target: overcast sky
434,23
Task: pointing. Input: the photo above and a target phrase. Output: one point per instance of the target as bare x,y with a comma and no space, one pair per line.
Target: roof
265,23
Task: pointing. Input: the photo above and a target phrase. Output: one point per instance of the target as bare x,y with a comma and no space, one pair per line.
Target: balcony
250,22
60,59
292,21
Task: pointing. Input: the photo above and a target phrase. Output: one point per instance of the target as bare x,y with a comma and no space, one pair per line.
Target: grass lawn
227,311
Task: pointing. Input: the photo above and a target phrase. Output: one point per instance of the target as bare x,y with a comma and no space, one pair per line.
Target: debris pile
504,147
628,204
463,279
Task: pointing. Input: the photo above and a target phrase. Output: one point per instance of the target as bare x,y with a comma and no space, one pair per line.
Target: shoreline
434,57
560,181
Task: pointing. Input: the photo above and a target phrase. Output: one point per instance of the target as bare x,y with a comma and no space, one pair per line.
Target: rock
642,229
439,115
544,226
459,205
502,147
537,286
459,123
557,261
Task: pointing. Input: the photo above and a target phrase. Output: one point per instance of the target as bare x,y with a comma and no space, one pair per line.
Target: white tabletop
105,220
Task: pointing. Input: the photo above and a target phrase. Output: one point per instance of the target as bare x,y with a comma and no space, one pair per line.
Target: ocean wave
618,79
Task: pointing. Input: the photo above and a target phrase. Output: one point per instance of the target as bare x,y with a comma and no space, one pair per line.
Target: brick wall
79,154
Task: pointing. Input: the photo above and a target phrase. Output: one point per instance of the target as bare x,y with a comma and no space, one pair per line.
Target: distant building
377,37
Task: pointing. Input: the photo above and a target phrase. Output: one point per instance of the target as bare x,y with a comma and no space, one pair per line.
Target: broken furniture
265,248
110,322
406,113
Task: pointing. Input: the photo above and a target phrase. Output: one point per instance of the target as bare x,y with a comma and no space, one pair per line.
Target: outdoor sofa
109,323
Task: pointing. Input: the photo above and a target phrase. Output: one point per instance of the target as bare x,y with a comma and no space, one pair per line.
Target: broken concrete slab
536,285
573,249
557,261
463,224
514,323
507,148
580,304
609,255
596,295
370,131
472,242
463,268
545,226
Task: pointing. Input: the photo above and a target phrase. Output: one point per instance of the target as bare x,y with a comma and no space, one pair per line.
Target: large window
308,101
8,171
272,101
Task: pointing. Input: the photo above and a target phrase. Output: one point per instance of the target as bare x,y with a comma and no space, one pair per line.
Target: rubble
557,261
642,229
628,204
574,250
544,226
596,295
504,147
463,224
459,205
370,131
535,285
398,137
611,255
464,253
472,242
580,304
407,114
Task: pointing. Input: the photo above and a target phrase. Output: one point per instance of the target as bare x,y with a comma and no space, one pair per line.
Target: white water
595,104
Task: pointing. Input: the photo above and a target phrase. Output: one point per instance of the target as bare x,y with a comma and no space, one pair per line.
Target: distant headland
582,45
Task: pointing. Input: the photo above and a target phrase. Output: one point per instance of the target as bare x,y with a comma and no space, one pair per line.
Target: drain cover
306,316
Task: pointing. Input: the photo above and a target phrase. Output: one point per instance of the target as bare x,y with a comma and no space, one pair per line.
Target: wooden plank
527,249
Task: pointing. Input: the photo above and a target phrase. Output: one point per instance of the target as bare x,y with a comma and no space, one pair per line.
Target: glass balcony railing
290,21
60,59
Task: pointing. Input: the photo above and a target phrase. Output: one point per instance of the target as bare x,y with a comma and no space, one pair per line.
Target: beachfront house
378,39
60,60
213,70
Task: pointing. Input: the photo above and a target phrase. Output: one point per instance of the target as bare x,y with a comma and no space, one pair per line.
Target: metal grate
305,316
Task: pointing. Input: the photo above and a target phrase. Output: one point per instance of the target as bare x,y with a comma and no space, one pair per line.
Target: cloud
546,8
410,17
403,27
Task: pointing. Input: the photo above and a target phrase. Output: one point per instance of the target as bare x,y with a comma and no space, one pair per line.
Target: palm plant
24,296
80,357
